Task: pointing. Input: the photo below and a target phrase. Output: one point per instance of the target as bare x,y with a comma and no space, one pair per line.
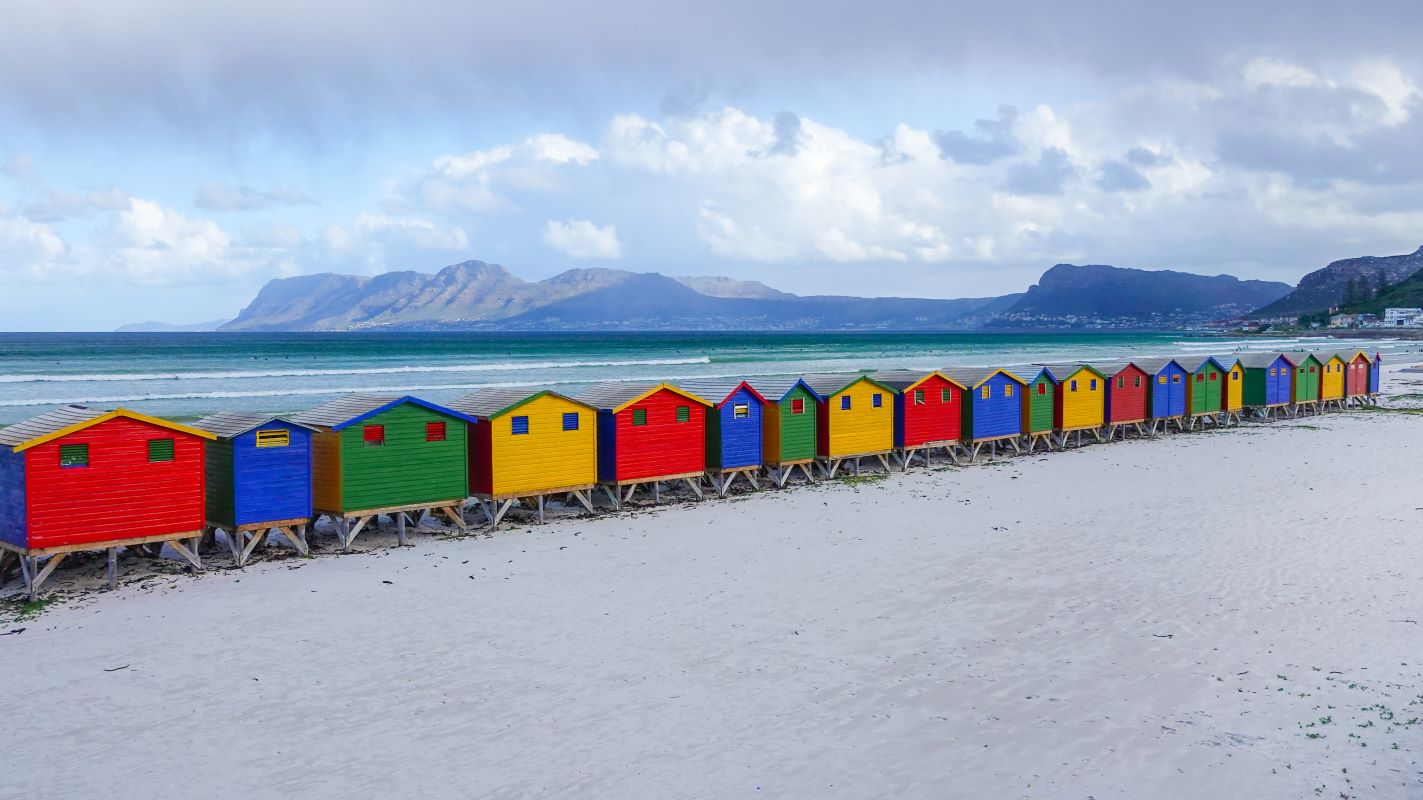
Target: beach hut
1232,394
1166,402
374,455
528,446
1331,380
79,478
1205,380
735,423
1269,382
855,420
648,434
1375,376
1039,404
928,413
1081,402
258,476
787,427
1309,375
1356,377
1127,403
993,413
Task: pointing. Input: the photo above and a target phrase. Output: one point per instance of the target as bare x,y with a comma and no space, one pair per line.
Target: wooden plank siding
1375,373
1081,400
922,414
1331,381
1232,395
1168,391
546,457
120,494
218,472
407,469
1269,384
863,428
994,408
1127,391
271,484
1356,376
1203,388
733,443
12,497
326,470
1040,402
1308,376
786,435
664,446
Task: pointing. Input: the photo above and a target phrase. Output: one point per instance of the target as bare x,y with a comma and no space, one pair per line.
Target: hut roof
1194,364
1298,357
1111,368
495,401
776,389
718,390
1061,372
1326,355
231,424
616,395
901,380
974,377
1260,360
826,385
69,419
344,412
1153,366
1040,372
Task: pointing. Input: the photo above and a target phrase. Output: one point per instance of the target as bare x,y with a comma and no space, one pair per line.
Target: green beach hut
1309,371
787,427
386,455
1039,405
1204,387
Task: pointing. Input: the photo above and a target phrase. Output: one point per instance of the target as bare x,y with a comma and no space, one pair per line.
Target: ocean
186,375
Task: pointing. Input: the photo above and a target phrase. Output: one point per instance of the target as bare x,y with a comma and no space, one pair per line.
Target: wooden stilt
400,530
112,567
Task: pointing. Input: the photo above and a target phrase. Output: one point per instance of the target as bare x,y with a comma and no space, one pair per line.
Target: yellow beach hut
529,446
1081,401
854,420
1331,381
1232,395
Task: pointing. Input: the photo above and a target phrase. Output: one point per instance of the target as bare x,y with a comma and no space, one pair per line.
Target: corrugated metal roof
713,389
47,423
616,394
1110,368
1325,355
335,412
900,379
1061,372
1154,366
229,424
1298,357
490,401
1258,360
972,377
1036,372
776,389
828,384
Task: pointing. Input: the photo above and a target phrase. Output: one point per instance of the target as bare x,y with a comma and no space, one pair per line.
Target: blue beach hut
257,480
733,430
1168,391
1269,382
1375,368
993,412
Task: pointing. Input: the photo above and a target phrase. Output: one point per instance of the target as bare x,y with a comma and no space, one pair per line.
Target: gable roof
495,401
1262,360
974,377
1199,365
343,412
1353,354
1155,366
1061,372
776,389
1325,356
902,380
615,396
69,419
231,424
719,390
826,385
1298,357
1041,372
1111,368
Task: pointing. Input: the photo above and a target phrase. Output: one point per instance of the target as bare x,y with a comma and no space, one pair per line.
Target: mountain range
1324,288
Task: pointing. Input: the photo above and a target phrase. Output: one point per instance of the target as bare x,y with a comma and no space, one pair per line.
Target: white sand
1167,618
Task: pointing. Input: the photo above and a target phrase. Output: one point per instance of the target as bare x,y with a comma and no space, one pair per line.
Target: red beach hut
928,413
648,433
1127,387
79,478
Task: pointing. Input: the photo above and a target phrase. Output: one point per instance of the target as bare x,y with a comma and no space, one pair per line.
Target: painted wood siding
120,494
1203,391
862,428
406,470
218,479
934,420
547,457
1375,373
732,442
1331,380
1127,395
1000,414
1307,379
1356,376
1041,401
1232,395
1268,386
663,446
1168,392
326,470
1081,402
788,436
12,497
272,483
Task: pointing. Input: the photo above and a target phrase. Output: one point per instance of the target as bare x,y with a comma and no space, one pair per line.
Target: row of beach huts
80,479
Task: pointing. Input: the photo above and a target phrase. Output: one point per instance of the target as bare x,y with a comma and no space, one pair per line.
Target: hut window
1311,370
1042,388
1200,379
160,450
1272,372
1136,381
845,402
1008,390
1215,375
570,421
73,455
1175,378
986,391
373,435
918,397
1093,387
946,396
274,438
1235,376
434,431
639,417
684,413
798,405
518,425
741,411
877,400
1121,382
1072,386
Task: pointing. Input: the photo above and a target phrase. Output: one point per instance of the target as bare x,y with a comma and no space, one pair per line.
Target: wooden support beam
400,530
583,497
111,571
189,555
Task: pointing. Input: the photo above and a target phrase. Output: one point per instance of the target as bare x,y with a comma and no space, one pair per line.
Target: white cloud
484,181
28,249
580,238
151,244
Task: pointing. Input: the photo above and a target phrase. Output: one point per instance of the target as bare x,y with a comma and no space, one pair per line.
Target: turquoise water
187,375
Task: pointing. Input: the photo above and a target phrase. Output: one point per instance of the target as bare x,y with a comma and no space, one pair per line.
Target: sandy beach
1220,614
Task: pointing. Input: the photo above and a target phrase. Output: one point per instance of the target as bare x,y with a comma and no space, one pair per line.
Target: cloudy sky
163,159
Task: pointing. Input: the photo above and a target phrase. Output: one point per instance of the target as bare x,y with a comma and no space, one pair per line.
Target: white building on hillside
1403,317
